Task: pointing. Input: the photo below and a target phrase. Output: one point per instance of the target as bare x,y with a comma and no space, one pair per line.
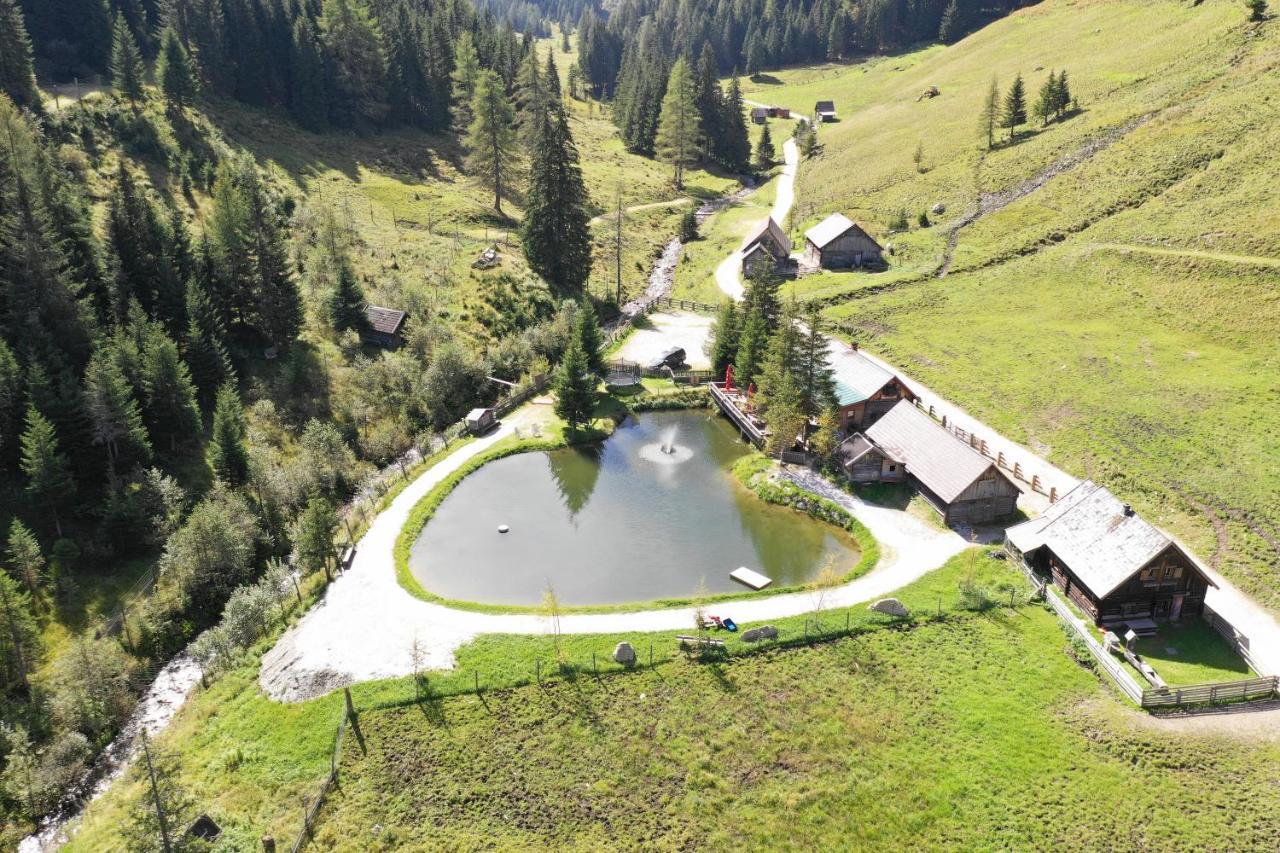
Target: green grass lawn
1191,653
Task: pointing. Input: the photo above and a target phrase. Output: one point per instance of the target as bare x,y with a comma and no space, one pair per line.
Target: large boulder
764,632
891,606
624,654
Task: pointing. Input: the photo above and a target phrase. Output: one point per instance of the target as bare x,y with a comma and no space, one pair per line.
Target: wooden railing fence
311,805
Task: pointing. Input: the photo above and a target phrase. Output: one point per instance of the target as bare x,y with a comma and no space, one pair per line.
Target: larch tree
48,472
555,233
492,149
127,68
313,534
990,114
19,636
25,558
679,126
463,79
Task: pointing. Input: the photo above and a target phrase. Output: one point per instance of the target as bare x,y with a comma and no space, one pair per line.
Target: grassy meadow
1119,313
944,729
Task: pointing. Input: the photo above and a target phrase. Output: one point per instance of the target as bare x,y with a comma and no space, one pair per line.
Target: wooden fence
1244,690
684,305
311,805
1239,642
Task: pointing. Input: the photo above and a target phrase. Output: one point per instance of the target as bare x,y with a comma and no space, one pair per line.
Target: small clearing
662,331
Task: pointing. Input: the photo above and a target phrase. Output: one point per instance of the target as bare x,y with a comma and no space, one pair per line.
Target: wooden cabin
779,112
824,111
864,390
759,114
480,421
863,462
766,248
1114,565
839,243
964,486
383,326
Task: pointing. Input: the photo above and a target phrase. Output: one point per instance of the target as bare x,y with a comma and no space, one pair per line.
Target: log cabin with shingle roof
383,326
1112,563
768,246
864,390
838,242
964,486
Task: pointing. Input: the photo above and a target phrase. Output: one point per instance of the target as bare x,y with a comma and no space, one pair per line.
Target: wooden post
538,670
594,669
651,654
295,587
155,796
1053,494
268,844
476,672
351,708
1035,482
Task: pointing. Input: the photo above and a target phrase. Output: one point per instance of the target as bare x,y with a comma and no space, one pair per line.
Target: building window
1172,572
1150,574
893,468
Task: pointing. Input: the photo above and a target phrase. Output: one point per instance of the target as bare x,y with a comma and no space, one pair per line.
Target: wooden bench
709,642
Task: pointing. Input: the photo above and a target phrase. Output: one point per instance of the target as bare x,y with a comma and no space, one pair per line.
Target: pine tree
169,403
735,147
356,63
1061,95
590,338
531,98
227,453
781,360
551,77
678,126
465,76
275,300
556,233
313,534
175,71
990,113
25,558
17,66
1257,9
114,412
1014,112
724,337
709,99
814,376
574,387
1046,102
764,150
954,23
688,227
838,36
345,306
127,67
48,472
492,152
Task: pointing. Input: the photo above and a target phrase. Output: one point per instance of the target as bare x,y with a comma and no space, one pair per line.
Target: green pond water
622,521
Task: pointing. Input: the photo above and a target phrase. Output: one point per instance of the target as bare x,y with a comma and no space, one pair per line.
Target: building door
1161,607
1175,613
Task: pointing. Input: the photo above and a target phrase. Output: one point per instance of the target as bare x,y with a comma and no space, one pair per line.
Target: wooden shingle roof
771,232
944,464
1100,539
385,320
825,107
835,225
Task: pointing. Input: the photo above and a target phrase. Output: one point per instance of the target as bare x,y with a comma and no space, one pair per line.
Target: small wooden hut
383,326
839,243
767,247
825,111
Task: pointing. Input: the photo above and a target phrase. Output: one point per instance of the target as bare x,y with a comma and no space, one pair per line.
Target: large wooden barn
1107,559
766,248
864,390
837,242
964,486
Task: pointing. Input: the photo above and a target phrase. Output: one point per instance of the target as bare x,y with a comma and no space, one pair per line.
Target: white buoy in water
502,528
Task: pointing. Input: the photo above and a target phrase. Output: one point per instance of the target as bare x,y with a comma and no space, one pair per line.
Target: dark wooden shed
767,245
1113,564
825,111
383,326
837,242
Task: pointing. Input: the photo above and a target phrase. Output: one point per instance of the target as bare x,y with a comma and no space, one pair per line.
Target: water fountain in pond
666,451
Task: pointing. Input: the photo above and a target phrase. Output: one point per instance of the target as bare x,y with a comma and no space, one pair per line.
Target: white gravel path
728,274
662,331
364,626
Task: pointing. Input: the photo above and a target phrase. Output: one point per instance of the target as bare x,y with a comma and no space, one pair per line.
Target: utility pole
155,795
617,250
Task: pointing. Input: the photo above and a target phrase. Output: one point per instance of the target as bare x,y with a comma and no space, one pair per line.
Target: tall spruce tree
356,63
127,68
176,72
752,342
1013,113
114,412
17,67
989,114
735,145
574,387
228,456
492,150
587,331
20,644
556,233
724,337
765,152
679,127
169,406
308,95
204,346
709,99
345,305
814,376
25,559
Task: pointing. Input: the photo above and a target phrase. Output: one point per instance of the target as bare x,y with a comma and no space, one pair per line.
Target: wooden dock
749,577
741,419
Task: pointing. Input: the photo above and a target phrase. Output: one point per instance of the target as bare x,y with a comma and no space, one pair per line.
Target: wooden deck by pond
733,405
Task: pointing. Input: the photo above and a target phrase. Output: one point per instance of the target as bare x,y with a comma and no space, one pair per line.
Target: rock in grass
764,632
624,654
891,606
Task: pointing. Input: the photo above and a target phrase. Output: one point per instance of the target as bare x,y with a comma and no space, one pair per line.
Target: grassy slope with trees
1121,318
